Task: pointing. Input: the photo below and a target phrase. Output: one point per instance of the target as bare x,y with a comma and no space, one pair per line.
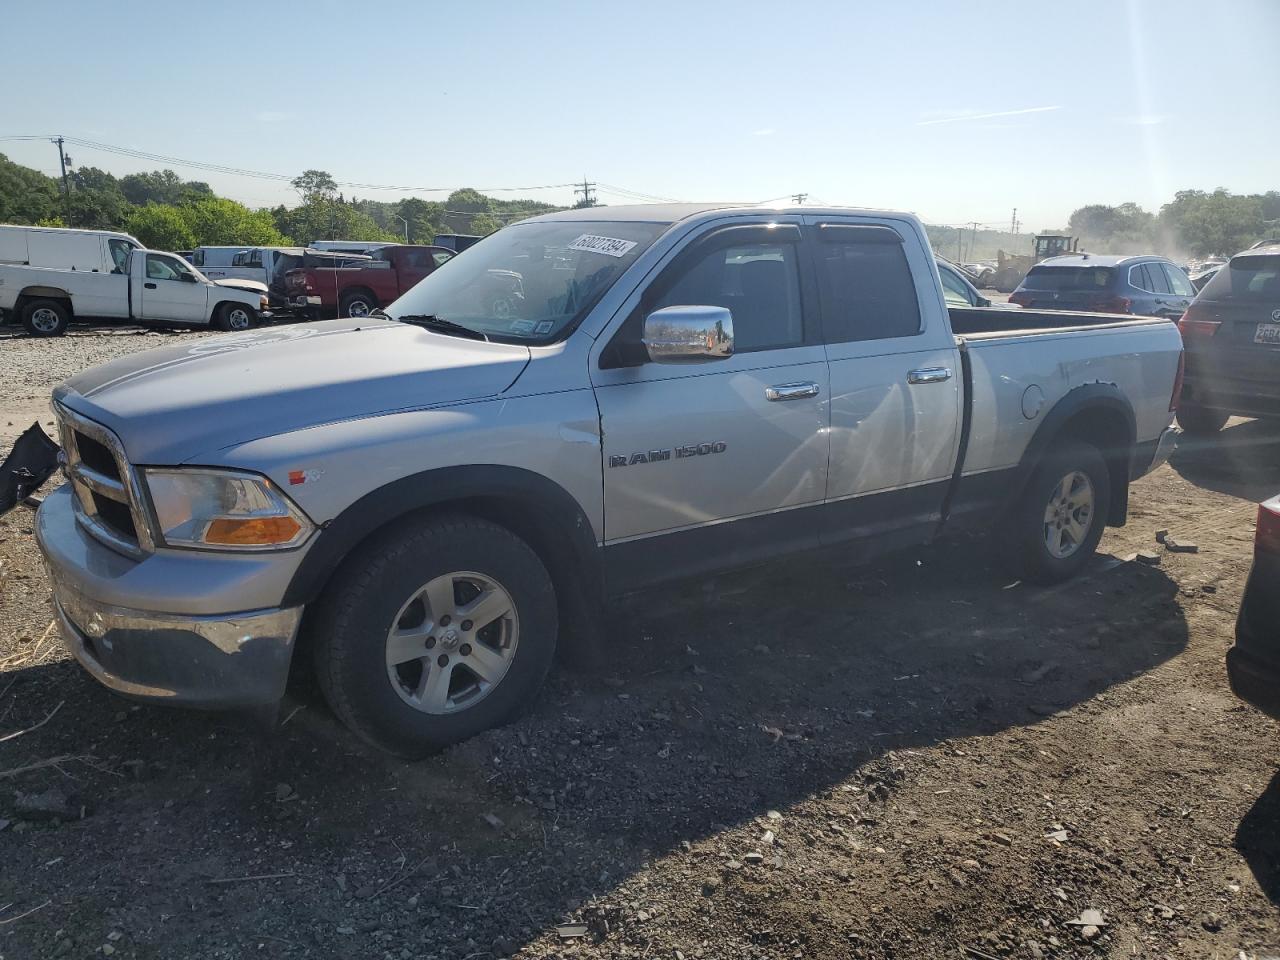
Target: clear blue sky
957,111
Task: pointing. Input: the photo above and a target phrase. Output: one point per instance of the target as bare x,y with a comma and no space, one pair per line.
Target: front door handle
929,375
791,391
149,286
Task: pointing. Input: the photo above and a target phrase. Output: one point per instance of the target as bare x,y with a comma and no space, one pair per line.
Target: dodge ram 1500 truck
423,502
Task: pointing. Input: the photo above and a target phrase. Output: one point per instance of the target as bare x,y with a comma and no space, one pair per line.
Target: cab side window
868,292
758,282
163,268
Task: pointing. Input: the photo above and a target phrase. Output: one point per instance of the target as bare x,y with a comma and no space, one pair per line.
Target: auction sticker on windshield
609,246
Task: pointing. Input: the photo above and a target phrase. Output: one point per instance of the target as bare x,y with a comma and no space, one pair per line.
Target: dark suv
1147,286
1232,338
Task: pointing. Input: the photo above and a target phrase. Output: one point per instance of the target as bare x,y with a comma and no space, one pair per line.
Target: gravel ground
919,759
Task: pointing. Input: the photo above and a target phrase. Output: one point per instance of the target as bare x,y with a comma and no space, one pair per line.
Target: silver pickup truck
425,502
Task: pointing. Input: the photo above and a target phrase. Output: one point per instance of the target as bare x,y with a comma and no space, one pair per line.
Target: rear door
171,290
1181,290
411,266
716,457
895,376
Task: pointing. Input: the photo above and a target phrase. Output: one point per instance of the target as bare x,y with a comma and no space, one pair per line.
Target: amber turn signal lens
254,531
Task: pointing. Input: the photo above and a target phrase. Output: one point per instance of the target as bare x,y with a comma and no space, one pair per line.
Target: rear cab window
1250,278
866,288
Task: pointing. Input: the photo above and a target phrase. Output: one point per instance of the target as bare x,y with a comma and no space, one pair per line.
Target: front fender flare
543,502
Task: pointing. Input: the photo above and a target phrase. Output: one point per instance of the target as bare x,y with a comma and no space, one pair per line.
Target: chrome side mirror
688,334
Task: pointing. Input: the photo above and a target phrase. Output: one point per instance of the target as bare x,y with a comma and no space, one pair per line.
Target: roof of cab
669,213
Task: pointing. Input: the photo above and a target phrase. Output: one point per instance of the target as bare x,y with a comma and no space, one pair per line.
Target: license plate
1267,333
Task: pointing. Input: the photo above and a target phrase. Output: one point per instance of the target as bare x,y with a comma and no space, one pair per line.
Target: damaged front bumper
192,659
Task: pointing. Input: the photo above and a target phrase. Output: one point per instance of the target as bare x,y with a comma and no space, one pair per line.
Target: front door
172,291
895,377
712,463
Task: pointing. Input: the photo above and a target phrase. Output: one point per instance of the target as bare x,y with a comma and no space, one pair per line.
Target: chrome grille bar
88,484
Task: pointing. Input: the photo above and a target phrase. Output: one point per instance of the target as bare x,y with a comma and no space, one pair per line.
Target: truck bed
978,322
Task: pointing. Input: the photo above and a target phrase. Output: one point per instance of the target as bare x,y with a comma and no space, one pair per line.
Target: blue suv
1146,286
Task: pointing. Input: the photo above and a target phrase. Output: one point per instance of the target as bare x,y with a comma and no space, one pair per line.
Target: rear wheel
46,318
234,316
1201,421
358,303
1057,524
434,633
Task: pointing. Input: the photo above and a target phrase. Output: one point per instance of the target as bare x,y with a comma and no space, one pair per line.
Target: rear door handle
149,286
791,391
929,375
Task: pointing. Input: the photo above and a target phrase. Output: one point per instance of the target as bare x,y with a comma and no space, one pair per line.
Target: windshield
529,282
1251,278
1068,278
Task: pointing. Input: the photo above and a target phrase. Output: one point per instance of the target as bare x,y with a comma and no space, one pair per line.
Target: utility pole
799,198
585,188
66,184
406,226
973,236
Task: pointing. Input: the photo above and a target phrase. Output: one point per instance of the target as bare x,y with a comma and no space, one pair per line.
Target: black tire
350,626
235,317
46,318
1201,421
1028,533
357,303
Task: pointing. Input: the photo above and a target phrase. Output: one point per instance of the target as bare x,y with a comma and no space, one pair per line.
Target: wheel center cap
450,639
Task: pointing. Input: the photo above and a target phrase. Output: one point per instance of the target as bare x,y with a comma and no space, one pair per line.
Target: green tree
1123,229
484,224
218,221
329,220
314,185
468,200
161,227
26,195
161,186
1219,223
424,218
96,202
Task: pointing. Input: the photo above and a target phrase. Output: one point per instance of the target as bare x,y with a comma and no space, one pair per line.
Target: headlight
223,510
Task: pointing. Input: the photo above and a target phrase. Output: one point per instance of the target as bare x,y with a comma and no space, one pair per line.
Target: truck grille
107,504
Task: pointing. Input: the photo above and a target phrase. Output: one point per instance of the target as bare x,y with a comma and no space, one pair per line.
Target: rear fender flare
1098,413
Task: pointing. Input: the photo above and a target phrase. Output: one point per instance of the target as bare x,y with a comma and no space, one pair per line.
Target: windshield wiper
430,321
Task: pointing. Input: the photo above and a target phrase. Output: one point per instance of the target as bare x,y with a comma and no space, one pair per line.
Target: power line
585,188
277,177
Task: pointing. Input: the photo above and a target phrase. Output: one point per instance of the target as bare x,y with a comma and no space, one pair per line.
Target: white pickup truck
426,502
49,276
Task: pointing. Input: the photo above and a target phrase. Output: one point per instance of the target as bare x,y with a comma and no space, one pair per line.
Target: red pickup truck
356,286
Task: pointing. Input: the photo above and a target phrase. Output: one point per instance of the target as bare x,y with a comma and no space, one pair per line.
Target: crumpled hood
236,283
171,405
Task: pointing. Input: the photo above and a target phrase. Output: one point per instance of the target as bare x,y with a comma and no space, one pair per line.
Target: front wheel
234,316
434,633
1057,524
1201,421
